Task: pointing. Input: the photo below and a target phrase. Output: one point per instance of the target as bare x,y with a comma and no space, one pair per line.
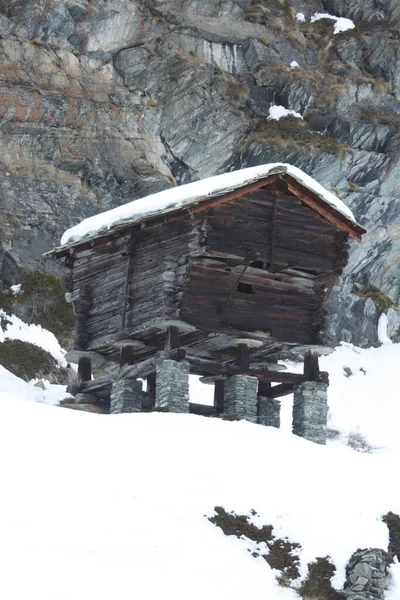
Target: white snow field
98,507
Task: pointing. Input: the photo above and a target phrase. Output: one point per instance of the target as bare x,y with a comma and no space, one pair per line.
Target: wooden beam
208,367
125,299
283,389
273,233
320,206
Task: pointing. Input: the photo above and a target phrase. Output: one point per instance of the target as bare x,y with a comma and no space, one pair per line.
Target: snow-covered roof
183,196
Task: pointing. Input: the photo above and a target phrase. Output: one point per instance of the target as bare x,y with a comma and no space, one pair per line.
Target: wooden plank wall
282,304
157,274
303,239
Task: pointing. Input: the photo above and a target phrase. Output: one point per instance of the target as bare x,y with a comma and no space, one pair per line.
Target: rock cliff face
104,101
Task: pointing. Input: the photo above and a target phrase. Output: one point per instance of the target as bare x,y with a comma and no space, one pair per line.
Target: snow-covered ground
99,507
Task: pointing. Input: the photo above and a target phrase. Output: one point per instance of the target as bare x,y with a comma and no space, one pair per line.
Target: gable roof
213,190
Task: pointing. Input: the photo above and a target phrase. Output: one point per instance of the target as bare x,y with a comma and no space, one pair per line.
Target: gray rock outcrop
102,103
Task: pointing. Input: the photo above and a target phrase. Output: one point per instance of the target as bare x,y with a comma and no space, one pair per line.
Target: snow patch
341,23
294,64
16,289
185,195
16,329
277,112
382,330
300,17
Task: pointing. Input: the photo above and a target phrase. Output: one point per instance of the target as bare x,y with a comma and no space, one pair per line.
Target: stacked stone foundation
172,386
269,412
310,411
241,397
126,396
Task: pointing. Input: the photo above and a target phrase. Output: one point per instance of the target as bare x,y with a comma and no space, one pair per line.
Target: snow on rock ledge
185,195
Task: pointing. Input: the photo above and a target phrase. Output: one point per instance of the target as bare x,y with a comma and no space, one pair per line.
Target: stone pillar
366,575
241,397
310,411
172,385
269,412
126,396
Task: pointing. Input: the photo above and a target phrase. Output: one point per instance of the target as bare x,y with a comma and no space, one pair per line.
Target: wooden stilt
264,389
151,386
126,356
219,396
84,370
172,340
311,366
242,357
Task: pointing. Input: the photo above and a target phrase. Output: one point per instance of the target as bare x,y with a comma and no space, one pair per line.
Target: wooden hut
224,274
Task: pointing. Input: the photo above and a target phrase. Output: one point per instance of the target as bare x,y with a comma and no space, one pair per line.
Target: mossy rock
380,299
26,360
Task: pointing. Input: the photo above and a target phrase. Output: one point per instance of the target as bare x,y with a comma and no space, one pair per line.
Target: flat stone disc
211,379
249,342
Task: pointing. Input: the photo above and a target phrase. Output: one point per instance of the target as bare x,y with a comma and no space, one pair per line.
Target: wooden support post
151,386
242,357
264,389
82,308
311,366
84,370
126,356
172,341
219,396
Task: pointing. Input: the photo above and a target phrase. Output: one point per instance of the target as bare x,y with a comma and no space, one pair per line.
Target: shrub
26,360
291,132
359,443
281,556
42,302
318,581
393,523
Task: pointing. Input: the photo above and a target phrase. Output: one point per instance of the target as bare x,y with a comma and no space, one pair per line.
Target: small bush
291,132
282,553
380,299
42,302
318,581
239,525
393,523
359,443
26,360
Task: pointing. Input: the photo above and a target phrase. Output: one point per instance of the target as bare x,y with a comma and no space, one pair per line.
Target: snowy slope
100,507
